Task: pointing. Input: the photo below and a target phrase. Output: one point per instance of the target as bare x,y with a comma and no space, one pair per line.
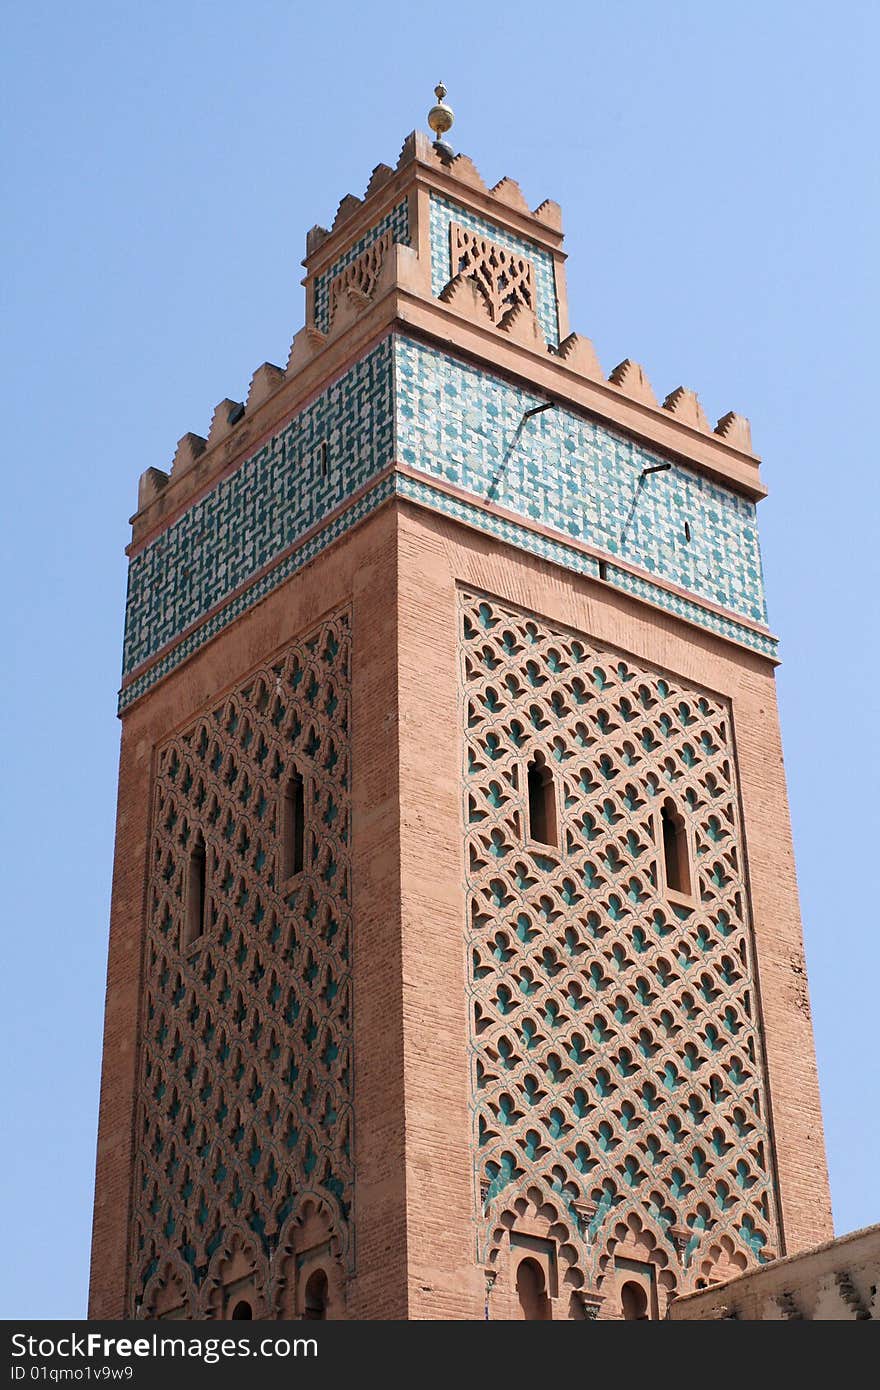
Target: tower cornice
402,298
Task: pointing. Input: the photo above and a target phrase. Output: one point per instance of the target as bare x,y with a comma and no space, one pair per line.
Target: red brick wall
435,555
360,571
415,1232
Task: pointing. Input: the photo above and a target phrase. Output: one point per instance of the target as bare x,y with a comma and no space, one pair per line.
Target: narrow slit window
542,802
195,891
675,849
293,826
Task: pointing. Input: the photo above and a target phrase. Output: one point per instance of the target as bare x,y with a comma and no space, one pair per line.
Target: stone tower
455,958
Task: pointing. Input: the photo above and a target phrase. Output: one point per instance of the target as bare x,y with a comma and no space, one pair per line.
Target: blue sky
717,172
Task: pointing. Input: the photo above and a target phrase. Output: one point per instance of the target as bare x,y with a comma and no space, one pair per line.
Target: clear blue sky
717,171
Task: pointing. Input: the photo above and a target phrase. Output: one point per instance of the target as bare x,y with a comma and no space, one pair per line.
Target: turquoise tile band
456,426
466,426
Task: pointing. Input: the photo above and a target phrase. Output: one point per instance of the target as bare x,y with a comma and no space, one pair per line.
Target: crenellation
226,416
508,191
150,484
521,324
306,343
735,430
190,447
416,145
465,170
378,179
836,1281
550,212
630,377
685,406
578,353
348,206
315,238
266,380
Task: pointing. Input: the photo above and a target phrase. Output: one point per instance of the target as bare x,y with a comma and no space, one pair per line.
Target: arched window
634,1302
195,891
241,1310
542,802
293,830
675,849
533,1301
315,1304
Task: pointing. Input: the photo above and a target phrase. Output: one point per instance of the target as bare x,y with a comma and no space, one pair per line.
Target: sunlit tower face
454,916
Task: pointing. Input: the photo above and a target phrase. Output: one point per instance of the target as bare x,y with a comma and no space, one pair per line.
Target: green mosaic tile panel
443,212
273,498
252,595
465,426
396,221
458,425
559,554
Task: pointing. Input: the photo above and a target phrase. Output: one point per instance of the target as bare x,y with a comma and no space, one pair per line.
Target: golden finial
440,118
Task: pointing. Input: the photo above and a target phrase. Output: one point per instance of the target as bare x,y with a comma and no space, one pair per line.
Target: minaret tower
455,956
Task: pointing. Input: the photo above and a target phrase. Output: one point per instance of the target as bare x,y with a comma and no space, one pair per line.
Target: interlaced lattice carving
616,1065
361,274
505,278
244,1104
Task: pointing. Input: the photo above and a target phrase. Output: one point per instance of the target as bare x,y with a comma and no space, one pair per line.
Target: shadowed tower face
455,959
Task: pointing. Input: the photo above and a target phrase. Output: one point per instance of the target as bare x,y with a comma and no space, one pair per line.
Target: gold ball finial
441,116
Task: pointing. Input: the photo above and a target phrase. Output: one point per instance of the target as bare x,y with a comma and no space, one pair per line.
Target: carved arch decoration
533,1226
308,1242
720,1262
615,1049
634,1245
505,279
238,1270
361,275
171,1291
244,1097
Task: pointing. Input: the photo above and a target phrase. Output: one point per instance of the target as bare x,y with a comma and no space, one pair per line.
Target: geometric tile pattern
682,607
245,1071
444,213
294,560
266,504
396,222
615,1049
464,425
558,553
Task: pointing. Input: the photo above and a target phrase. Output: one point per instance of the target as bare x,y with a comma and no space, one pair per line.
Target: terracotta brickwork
257,1254
438,562
519,1026
244,1113
615,1055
